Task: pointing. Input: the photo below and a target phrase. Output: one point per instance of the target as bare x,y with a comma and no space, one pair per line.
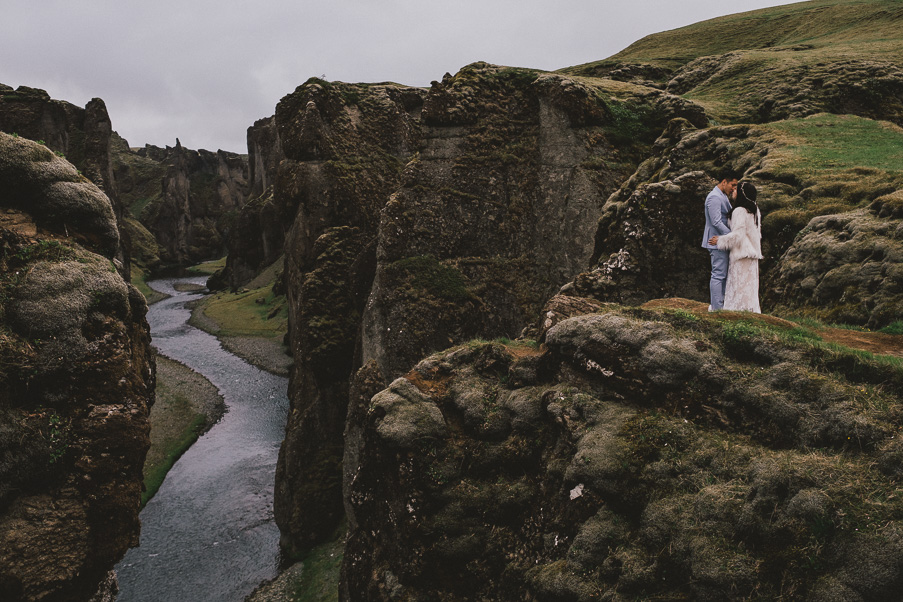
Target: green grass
834,143
873,26
170,450
893,328
248,313
208,268
139,280
319,580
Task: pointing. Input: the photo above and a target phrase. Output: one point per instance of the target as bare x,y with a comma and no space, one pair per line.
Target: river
209,533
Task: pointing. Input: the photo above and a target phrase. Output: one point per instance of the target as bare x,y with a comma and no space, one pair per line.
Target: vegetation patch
258,312
208,268
428,274
186,406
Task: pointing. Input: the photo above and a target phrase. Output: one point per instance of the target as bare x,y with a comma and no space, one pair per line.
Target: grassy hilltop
837,56
820,28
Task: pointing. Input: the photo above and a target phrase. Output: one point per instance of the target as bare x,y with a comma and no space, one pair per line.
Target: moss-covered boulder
846,268
83,136
654,454
35,180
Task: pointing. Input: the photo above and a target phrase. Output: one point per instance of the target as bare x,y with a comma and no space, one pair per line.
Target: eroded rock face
848,267
499,208
202,193
76,383
344,146
260,239
645,454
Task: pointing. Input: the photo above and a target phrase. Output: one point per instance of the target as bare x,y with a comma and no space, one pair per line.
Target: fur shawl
745,238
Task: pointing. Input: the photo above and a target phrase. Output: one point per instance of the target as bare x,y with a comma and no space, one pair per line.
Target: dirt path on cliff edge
874,342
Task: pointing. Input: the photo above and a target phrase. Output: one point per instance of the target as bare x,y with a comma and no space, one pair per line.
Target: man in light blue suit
717,206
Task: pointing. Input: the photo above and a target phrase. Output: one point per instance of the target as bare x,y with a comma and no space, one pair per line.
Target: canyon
506,384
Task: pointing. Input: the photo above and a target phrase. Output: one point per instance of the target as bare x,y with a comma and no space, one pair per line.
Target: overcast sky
205,70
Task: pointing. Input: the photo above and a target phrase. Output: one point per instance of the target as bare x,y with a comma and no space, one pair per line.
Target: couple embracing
733,237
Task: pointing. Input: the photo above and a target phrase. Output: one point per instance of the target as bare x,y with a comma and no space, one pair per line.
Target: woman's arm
739,224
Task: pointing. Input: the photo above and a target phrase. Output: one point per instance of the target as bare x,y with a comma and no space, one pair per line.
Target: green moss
46,250
831,143
320,575
426,273
208,268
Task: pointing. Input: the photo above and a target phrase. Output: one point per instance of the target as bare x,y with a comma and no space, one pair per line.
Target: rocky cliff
421,219
499,208
201,193
260,239
638,454
82,135
344,148
457,211
76,382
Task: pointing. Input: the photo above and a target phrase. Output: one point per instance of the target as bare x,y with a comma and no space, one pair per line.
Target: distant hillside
788,61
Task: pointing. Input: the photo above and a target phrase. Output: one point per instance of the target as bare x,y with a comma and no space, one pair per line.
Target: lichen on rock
654,455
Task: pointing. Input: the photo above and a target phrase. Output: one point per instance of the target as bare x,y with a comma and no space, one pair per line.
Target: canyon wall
76,382
81,135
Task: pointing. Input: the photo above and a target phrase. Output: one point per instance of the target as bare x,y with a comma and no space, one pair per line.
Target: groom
717,206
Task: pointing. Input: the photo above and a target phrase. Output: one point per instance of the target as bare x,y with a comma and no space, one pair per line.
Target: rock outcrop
260,240
82,135
847,268
649,236
638,454
201,195
495,175
344,149
76,382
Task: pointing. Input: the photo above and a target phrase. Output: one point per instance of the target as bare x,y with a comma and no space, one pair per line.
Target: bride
745,244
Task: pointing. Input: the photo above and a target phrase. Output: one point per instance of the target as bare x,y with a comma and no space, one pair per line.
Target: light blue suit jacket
717,206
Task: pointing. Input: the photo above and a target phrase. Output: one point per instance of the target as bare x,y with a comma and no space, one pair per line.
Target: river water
209,533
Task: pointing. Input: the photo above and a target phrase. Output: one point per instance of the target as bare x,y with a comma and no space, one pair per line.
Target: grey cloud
204,71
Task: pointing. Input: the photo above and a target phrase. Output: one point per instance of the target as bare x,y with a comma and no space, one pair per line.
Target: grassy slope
249,323
773,48
839,162
866,27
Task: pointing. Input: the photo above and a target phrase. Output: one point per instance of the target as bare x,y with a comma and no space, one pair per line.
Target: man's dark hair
727,174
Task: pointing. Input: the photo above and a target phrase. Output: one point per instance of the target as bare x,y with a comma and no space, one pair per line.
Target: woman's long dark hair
746,198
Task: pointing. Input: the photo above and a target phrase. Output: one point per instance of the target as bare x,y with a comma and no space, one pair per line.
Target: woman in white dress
745,245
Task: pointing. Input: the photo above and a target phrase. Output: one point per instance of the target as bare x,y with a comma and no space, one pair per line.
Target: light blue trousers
720,261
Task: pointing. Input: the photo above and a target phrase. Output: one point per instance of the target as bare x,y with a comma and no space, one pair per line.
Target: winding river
209,533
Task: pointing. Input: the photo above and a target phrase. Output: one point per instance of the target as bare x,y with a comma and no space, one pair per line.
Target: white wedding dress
744,243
